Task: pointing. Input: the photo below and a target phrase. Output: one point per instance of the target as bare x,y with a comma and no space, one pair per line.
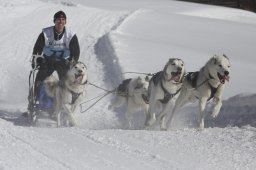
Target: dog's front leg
216,108
170,117
129,117
217,101
68,110
163,117
131,109
150,116
58,119
57,107
202,105
145,109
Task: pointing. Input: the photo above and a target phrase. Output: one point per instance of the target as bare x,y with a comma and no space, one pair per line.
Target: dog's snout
179,68
226,73
80,71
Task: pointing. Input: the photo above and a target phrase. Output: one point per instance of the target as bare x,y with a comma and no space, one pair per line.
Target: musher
59,47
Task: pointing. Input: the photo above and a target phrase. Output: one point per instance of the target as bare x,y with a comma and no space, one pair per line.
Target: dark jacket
73,45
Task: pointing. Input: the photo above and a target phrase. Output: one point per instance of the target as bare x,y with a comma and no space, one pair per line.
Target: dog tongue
78,79
227,78
176,77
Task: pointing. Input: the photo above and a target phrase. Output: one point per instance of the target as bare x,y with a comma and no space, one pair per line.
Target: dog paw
130,124
214,115
163,128
201,126
72,123
150,122
146,128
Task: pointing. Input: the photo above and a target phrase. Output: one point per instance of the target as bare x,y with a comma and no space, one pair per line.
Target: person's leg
62,70
42,74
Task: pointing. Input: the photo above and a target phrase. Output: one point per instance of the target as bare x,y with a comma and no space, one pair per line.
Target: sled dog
164,89
69,93
205,84
132,92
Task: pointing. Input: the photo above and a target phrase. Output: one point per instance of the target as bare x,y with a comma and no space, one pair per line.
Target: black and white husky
205,84
164,89
132,92
68,94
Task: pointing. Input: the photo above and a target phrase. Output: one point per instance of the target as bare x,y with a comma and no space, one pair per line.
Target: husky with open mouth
205,84
164,89
69,93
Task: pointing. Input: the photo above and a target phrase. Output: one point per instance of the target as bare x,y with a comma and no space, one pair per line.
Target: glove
72,62
37,61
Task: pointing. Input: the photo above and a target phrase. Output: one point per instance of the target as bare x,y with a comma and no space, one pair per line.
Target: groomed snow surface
118,36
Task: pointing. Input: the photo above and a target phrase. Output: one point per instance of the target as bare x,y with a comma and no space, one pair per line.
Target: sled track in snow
106,54
37,151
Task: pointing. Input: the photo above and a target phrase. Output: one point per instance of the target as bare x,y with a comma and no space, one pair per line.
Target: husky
205,84
132,92
164,89
67,93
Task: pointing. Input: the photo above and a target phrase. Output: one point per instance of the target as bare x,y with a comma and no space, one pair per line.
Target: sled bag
45,102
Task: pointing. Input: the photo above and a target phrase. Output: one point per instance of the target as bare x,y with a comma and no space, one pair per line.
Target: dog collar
85,82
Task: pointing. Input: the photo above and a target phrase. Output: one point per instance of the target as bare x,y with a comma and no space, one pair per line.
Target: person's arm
39,45
74,48
38,49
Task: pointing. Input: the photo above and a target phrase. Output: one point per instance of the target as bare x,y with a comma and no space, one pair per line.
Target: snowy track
74,148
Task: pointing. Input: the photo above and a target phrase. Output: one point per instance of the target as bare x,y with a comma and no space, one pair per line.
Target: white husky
164,89
134,93
68,94
205,84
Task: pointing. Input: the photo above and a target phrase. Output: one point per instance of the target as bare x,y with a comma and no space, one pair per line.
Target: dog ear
214,59
138,82
147,78
224,55
166,65
72,62
170,60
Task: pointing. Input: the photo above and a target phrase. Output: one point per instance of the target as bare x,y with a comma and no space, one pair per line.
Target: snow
119,36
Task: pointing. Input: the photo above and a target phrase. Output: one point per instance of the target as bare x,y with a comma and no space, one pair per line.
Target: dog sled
57,101
39,111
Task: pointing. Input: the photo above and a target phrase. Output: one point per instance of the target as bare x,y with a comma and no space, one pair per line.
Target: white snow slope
118,36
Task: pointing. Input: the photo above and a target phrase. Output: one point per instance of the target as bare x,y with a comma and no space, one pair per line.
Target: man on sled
56,48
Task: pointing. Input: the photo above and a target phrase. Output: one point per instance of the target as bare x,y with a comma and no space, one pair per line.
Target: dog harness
167,96
192,77
73,94
123,90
